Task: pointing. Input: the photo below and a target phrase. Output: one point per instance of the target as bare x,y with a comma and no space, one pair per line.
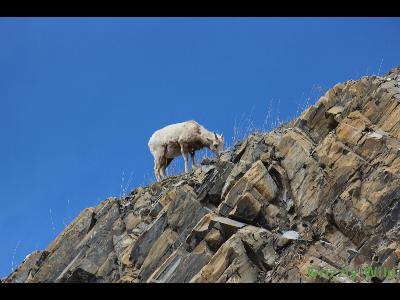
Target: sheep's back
170,135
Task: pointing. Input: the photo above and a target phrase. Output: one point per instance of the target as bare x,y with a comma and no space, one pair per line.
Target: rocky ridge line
320,193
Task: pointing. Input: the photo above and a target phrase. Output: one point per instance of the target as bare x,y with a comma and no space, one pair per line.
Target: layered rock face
315,200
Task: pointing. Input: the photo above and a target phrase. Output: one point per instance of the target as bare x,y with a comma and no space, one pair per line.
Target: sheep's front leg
194,167
184,152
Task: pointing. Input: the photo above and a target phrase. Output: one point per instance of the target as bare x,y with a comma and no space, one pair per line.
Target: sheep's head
217,144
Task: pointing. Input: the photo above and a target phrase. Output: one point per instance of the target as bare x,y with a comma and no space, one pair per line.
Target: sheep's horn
216,136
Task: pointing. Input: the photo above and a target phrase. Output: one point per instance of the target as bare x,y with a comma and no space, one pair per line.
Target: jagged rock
237,172
331,175
246,208
209,223
131,221
256,188
158,252
28,267
229,260
239,259
182,265
211,186
205,239
167,232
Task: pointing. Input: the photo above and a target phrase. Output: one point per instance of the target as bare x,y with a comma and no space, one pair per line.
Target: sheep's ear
216,136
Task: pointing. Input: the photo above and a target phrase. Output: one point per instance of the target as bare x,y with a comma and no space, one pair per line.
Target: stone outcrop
331,178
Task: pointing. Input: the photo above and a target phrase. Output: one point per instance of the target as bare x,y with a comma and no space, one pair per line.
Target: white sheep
180,139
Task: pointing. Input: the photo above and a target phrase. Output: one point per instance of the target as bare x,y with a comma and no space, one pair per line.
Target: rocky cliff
317,199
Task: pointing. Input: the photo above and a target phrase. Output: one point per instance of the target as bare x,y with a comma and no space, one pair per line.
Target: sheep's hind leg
162,172
162,163
164,166
168,161
157,169
194,167
185,157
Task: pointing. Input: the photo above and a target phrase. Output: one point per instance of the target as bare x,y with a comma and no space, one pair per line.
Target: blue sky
80,98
